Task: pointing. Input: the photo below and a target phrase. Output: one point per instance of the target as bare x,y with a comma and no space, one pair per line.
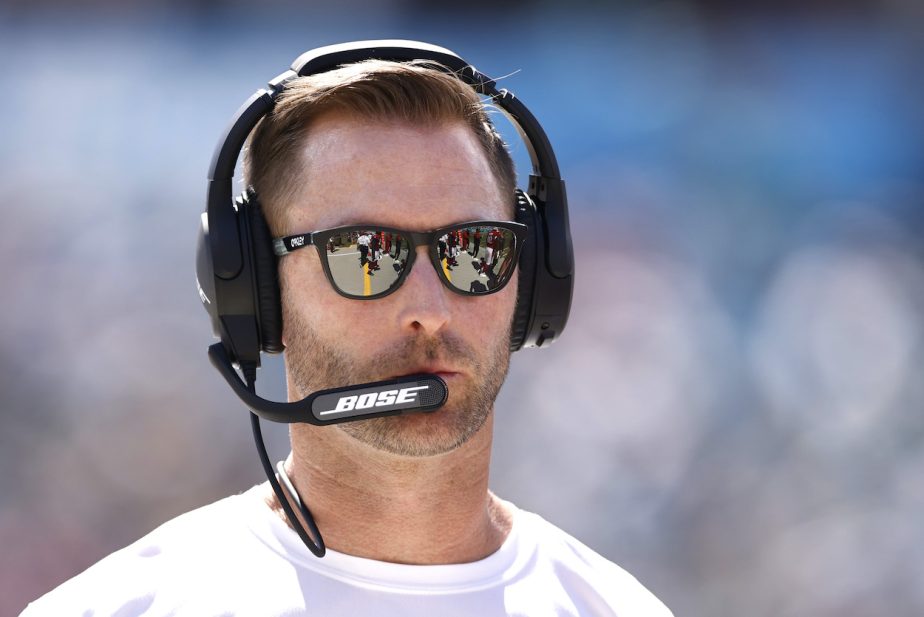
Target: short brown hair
415,91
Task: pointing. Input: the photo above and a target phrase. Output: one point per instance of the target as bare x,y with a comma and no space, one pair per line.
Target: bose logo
298,241
202,296
375,399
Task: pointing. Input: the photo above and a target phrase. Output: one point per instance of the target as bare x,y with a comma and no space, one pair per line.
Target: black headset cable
318,548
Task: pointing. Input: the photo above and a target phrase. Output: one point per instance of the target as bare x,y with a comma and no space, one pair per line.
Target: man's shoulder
170,560
599,585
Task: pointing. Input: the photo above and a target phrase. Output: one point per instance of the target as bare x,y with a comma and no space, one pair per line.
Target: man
375,253
402,501
453,242
363,244
491,248
441,250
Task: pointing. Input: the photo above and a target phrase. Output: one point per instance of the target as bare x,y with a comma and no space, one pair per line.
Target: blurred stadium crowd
734,412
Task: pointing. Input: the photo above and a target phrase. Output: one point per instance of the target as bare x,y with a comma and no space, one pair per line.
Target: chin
419,434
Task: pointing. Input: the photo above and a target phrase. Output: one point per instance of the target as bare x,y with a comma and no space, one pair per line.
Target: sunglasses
371,261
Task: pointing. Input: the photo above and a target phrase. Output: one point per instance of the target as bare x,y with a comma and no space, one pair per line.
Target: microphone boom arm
408,394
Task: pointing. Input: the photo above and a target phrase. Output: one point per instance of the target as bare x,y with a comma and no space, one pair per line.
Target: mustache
443,347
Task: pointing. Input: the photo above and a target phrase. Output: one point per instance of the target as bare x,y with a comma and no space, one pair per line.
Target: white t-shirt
237,557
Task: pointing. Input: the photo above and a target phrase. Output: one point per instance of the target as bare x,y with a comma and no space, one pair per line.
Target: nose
425,303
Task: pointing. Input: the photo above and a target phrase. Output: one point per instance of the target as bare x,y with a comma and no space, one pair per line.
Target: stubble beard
314,363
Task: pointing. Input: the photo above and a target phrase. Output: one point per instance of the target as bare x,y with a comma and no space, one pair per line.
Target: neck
416,510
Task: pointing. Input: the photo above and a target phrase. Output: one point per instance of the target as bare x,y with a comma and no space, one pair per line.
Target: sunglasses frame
288,244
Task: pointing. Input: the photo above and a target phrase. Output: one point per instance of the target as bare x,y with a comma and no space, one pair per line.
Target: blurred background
734,412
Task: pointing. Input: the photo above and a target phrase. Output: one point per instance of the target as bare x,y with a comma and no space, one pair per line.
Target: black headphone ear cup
525,212
266,277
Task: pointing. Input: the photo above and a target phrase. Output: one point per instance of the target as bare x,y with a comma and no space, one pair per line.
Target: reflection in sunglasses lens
477,259
369,262
366,262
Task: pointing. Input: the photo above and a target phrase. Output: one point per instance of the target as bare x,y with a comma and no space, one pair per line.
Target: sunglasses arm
408,394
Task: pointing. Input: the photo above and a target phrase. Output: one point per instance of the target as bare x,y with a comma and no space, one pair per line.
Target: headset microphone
408,394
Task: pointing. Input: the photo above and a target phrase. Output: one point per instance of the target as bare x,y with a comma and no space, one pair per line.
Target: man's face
413,178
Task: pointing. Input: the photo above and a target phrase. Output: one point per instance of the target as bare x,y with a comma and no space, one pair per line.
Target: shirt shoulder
593,584
154,574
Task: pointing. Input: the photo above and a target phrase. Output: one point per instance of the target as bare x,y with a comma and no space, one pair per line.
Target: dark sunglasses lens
477,260
367,262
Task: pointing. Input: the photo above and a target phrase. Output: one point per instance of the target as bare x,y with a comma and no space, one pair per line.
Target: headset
237,269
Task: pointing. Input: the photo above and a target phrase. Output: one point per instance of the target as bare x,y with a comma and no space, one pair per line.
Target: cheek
506,300
489,315
306,295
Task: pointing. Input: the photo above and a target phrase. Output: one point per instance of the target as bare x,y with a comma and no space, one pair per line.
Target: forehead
393,173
